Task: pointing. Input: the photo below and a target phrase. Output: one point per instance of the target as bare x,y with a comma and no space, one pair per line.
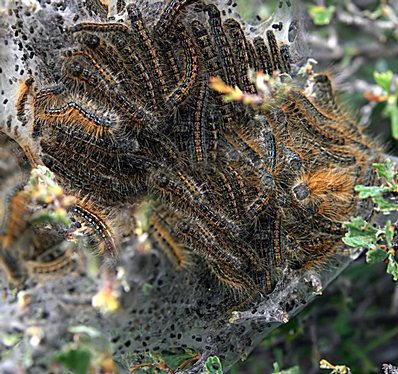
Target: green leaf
383,79
48,216
389,232
384,205
60,218
376,255
41,216
392,267
10,340
370,191
392,111
378,193
292,370
356,223
276,368
386,170
359,241
360,233
213,365
75,359
321,15
359,227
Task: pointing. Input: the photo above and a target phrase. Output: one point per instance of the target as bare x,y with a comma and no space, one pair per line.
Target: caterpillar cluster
122,112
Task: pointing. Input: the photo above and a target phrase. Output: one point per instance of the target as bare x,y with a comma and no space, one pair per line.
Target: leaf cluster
380,242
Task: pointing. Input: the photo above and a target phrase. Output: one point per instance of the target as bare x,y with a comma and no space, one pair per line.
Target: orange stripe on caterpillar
24,92
168,237
97,225
190,74
170,14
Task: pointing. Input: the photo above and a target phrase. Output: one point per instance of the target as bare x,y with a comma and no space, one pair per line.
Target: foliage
166,362
382,195
378,241
388,82
321,15
43,189
292,370
89,351
213,365
76,359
